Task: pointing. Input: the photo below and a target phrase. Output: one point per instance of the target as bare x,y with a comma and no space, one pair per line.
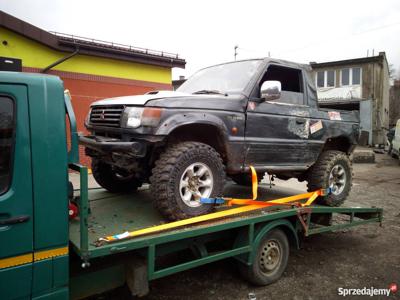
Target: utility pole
236,47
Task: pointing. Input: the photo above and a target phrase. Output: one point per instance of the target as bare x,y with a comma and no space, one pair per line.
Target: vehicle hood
140,99
173,99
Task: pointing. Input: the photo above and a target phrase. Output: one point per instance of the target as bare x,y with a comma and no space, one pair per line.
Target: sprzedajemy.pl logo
368,291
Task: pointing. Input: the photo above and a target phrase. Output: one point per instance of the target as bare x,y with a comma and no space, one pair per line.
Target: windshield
226,78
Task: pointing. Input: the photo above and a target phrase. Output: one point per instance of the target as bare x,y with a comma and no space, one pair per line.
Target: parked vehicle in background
390,136
260,112
396,141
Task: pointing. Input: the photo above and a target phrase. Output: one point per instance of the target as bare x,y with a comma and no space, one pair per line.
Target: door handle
14,220
300,120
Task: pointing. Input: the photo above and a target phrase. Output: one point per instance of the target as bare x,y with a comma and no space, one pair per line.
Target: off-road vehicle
259,112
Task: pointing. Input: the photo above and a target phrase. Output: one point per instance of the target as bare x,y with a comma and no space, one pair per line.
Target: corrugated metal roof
69,43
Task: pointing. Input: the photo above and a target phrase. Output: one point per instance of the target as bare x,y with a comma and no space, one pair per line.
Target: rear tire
109,179
270,260
333,169
182,174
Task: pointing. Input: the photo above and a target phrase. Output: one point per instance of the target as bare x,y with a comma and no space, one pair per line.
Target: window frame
254,94
334,79
341,77
360,76
324,79
325,72
351,76
301,85
13,144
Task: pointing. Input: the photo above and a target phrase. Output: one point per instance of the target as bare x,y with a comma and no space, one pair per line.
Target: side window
7,127
292,83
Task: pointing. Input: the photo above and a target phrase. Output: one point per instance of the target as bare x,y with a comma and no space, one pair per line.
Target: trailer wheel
112,181
245,178
270,260
183,174
333,170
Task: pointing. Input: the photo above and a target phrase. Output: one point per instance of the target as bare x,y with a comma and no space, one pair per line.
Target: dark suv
260,112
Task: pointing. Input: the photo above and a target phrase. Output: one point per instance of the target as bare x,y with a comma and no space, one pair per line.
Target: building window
356,72
321,79
330,78
326,78
345,78
350,76
7,125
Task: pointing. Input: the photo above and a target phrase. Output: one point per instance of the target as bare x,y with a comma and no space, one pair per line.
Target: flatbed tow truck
117,239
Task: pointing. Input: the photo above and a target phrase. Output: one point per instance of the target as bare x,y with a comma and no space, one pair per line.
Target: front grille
109,116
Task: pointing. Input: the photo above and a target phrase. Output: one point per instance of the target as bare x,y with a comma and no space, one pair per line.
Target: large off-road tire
112,181
270,260
182,174
245,178
333,170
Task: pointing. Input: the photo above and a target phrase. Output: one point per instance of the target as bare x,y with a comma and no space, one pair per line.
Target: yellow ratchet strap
247,205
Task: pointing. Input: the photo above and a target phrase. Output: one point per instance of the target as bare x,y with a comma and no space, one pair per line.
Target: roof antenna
236,47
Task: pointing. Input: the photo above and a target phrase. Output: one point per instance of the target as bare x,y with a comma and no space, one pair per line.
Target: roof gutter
61,60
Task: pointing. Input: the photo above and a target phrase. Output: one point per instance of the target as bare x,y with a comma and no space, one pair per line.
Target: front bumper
108,145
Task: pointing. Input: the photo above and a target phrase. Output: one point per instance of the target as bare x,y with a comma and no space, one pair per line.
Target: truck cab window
291,81
6,141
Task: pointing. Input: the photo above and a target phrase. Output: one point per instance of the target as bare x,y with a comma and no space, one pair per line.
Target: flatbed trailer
239,236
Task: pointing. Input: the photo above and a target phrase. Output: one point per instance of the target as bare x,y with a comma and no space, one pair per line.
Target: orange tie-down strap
246,206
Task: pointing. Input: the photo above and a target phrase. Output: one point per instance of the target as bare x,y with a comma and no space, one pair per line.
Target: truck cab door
16,224
277,130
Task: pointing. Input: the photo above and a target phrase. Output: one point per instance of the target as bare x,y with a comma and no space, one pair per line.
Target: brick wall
84,93
86,88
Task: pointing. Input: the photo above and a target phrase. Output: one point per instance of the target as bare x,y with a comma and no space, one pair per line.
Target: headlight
141,116
133,116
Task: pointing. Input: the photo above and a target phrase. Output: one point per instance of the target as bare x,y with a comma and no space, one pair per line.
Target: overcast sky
205,32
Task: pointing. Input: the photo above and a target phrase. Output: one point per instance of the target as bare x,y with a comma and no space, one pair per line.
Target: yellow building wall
36,55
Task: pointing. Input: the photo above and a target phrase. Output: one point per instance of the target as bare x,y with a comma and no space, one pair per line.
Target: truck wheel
270,260
112,181
245,178
184,173
333,169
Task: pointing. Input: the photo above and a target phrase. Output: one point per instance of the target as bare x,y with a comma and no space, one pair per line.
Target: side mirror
270,90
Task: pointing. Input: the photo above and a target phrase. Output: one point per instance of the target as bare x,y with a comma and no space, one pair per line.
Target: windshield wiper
215,92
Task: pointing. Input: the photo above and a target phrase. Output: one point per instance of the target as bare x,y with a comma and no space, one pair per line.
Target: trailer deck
103,213
118,213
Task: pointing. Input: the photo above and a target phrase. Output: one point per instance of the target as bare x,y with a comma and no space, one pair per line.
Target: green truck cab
44,255
33,186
